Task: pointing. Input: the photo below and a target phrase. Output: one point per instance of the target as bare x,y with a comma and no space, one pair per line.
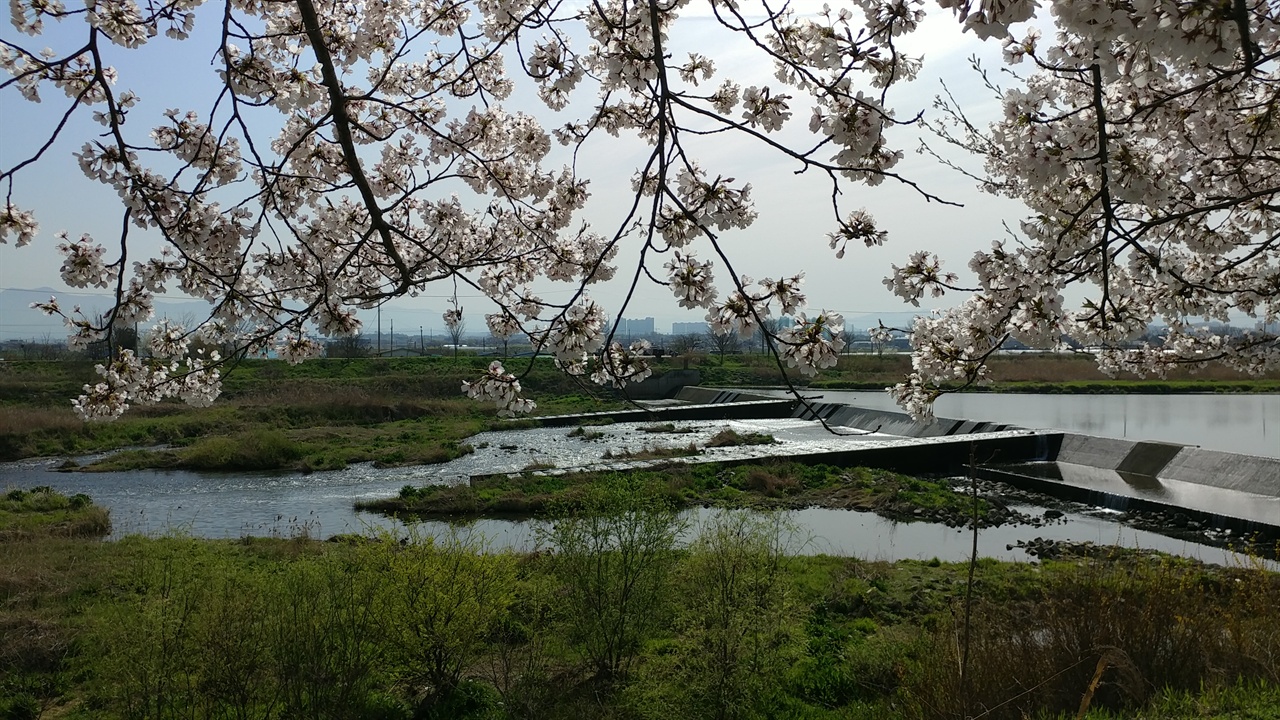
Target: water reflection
865,535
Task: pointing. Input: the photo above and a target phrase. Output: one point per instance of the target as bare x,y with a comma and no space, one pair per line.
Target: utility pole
379,331
422,347
393,337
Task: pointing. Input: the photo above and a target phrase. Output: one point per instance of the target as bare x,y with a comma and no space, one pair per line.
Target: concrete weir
1192,486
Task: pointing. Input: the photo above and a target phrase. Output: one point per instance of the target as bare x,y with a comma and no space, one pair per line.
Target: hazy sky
788,237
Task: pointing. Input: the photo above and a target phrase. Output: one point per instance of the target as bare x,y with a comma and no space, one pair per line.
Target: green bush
737,620
199,635
267,450
614,555
437,603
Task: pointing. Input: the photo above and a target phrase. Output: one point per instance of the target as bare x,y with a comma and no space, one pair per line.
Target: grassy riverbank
43,513
759,485
319,415
620,622
1022,373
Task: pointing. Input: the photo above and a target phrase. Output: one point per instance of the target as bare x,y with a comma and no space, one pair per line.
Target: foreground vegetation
620,621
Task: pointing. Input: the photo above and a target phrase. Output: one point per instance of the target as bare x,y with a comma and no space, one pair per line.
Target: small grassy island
764,485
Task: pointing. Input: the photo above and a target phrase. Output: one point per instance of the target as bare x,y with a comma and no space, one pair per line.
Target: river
228,505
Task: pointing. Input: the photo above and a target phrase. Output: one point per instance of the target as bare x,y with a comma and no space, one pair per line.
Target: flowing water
222,505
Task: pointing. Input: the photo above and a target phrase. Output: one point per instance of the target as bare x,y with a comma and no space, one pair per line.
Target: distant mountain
18,321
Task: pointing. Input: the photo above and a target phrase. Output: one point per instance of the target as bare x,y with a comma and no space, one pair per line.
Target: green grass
1245,701
761,485
101,630
43,512
315,416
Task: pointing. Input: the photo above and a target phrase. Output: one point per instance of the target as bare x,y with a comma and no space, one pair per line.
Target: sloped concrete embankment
714,405
1191,486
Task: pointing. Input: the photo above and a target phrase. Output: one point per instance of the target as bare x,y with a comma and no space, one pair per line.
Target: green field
319,415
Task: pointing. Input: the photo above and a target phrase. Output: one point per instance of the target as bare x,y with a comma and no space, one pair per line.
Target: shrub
613,557
773,482
1112,633
325,638
438,601
196,634
731,438
737,618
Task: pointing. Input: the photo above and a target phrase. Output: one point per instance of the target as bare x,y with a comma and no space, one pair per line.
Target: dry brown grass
1114,633
732,438
1044,368
770,483
21,420
1071,367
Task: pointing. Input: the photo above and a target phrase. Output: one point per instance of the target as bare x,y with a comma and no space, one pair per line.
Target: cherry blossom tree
355,152
1145,140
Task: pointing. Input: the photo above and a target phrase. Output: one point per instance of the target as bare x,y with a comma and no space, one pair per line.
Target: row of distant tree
50,347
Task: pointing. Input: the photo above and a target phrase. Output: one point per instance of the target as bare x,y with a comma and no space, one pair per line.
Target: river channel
228,505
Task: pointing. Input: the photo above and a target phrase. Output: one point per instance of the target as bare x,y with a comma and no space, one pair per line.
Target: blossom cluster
500,388
812,344
130,380
620,365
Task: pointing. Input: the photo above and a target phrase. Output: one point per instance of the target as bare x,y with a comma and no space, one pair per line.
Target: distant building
635,328
689,328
